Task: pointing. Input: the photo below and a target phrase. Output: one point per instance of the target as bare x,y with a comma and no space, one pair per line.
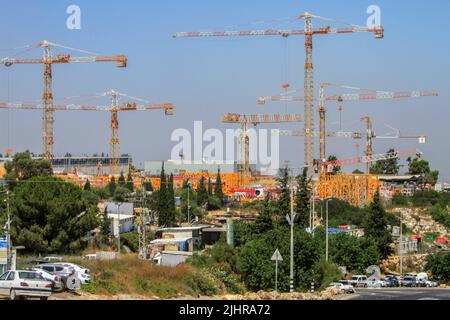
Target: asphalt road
400,294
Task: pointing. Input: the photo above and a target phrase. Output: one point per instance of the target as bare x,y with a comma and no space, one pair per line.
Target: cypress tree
302,199
121,180
129,184
112,186
87,186
210,190
162,200
148,186
202,193
171,212
218,187
284,201
375,227
263,222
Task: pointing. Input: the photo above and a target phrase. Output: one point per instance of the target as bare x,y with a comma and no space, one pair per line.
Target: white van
359,281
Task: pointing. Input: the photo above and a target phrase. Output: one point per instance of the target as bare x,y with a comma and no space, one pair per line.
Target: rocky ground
419,221
329,294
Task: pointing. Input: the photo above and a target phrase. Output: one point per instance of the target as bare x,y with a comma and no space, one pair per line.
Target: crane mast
114,109
364,96
308,32
47,97
244,139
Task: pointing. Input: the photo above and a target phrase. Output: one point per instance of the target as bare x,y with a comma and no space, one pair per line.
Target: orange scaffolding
357,189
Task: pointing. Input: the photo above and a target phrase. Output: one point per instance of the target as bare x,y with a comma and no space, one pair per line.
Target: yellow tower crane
244,140
48,59
308,32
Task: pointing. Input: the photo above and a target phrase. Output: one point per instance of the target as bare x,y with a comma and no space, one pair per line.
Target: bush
202,283
439,266
400,200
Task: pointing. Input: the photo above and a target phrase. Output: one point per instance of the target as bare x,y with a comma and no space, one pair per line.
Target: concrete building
126,216
153,168
84,164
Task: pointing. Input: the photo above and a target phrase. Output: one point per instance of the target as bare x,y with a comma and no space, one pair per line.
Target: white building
123,211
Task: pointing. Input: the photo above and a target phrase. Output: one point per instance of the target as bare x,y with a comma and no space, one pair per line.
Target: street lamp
8,232
188,204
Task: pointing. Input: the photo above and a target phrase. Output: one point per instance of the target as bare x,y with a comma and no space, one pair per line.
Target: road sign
277,256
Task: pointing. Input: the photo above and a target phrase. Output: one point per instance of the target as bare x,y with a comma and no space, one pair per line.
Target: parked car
24,284
408,281
391,281
57,283
376,283
83,273
432,283
343,288
77,268
65,269
52,258
359,281
57,270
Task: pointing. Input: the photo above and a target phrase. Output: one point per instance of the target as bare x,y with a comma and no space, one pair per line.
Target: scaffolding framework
357,189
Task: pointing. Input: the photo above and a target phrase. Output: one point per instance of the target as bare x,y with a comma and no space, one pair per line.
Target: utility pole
401,244
188,204
290,218
8,233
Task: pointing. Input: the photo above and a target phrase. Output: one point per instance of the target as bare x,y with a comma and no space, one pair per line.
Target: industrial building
153,168
88,165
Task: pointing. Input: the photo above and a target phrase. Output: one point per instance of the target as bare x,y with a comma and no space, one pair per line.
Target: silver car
24,284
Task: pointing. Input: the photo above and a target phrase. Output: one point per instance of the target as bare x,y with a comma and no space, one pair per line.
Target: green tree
218,191
51,216
388,166
357,171
121,194
258,272
422,167
148,185
165,216
210,189
23,167
439,266
171,201
202,193
87,186
112,186
302,199
336,169
375,227
263,222
129,184
354,253
121,181
284,200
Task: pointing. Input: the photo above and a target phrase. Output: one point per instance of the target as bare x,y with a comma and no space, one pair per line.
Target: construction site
241,180
317,110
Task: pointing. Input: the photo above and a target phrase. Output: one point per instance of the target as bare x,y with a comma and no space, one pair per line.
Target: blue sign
3,243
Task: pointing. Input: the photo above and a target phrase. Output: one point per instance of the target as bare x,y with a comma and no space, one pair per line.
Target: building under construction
85,165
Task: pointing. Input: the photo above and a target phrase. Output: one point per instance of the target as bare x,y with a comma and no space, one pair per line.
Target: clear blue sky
206,77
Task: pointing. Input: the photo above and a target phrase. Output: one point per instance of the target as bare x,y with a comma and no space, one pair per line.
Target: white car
343,288
359,281
23,284
82,273
56,280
